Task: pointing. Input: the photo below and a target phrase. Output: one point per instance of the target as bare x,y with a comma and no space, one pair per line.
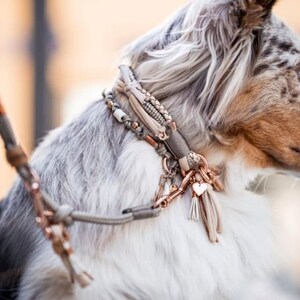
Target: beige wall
289,10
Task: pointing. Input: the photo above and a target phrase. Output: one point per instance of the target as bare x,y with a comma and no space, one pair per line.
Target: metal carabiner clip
166,200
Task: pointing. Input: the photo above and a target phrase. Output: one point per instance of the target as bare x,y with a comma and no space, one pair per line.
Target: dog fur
228,72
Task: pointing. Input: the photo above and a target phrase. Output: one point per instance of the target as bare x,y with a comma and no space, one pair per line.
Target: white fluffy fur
166,258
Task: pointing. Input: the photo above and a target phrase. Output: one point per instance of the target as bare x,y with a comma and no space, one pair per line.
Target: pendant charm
199,188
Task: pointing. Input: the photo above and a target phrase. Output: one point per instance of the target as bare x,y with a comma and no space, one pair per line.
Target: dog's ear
266,4
253,13
234,17
229,31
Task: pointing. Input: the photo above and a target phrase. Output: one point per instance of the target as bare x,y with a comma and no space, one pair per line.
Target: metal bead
127,124
134,125
110,104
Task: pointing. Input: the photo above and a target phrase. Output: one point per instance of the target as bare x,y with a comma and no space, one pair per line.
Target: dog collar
157,127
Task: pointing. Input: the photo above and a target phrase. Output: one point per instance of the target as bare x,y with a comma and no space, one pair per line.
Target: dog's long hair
226,70
194,56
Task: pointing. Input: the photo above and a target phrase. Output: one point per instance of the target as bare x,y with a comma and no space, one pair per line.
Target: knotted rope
156,118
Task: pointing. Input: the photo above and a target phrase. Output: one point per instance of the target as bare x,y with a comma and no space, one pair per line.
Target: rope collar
159,122
157,127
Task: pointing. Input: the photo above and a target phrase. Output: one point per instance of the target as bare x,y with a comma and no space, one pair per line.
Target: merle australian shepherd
228,71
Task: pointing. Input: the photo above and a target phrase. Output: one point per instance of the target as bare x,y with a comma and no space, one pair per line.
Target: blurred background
55,58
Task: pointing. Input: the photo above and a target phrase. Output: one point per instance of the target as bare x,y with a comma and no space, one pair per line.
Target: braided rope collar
157,127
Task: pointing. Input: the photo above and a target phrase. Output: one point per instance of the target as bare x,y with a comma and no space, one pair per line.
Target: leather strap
173,138
16,157
132,89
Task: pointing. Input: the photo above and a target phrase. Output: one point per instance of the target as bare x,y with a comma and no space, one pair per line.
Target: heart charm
199,188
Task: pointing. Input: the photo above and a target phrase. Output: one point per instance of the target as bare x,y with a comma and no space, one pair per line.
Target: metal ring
163,136
205,162
205,176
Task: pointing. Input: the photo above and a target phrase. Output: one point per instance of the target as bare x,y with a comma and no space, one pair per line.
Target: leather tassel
61,245
195,212
211,214
76,271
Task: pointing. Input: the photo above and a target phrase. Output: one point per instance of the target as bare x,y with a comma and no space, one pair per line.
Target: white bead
119,115
199,188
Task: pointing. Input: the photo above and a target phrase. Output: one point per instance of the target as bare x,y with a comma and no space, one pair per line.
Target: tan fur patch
255,12
264,123
254,15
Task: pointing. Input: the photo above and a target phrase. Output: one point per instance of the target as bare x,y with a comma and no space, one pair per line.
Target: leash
156,128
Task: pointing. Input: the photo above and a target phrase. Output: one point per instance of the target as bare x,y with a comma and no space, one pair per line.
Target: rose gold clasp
164,201
165,165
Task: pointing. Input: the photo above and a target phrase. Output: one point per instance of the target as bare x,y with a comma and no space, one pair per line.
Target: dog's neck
203,141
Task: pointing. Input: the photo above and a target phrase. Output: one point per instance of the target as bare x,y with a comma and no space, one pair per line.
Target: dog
228,71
